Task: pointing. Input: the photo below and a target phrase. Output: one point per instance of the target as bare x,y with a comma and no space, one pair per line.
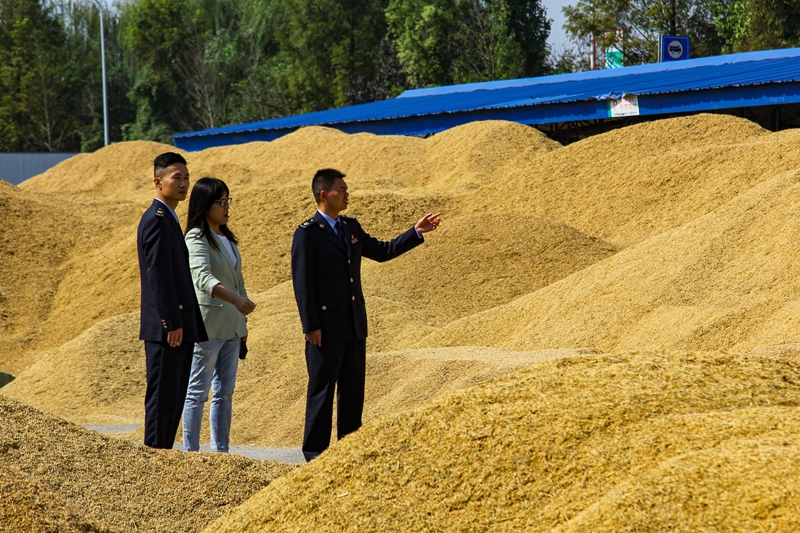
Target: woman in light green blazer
217,275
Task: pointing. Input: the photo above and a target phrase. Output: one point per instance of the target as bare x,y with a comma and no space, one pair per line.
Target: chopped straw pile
623,442
56,476
669,237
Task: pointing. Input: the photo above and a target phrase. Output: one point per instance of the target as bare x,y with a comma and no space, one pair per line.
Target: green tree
156,37
422,31
208,61
441,42
231,68
37,89
486,47
329,50
528,22
641,22
747,25
565,59
203,64
780,20
257,94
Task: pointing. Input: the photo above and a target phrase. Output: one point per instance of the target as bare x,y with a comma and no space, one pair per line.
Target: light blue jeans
214,363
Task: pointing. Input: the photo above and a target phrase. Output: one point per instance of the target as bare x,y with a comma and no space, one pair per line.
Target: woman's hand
244,305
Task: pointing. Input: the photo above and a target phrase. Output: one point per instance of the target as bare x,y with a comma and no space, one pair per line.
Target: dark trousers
167,379
340,365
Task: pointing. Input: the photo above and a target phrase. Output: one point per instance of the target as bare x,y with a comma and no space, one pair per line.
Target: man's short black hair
167,159
324,180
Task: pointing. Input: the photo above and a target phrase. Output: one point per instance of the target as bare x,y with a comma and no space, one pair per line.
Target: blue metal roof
736,80
674,66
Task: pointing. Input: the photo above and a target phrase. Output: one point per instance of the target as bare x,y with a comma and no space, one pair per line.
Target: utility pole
103,61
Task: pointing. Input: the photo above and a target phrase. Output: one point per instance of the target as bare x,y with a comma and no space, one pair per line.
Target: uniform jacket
222,319
168,299
326,274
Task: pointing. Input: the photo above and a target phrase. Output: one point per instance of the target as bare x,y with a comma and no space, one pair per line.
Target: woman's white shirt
228,247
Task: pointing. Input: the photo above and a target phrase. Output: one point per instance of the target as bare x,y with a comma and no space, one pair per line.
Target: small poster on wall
627,106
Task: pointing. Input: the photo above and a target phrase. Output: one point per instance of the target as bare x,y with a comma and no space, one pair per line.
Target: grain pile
271,208
499,257
524,263
265,215
396,380
271,184
728,280
115,173
622,442
102,368
633,183
27,507
60,477
33,247
470,156
671,235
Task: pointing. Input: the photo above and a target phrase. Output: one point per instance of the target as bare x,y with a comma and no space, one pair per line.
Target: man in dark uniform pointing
170,315
326,273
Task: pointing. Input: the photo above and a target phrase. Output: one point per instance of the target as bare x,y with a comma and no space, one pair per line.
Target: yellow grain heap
93,325
634,442
726,280
56,476
669,234
673,236
33,248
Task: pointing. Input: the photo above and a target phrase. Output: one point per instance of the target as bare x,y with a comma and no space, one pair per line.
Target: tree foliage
459,41
746,25
37,87
159,35
82,24
328,49
183,65
641,22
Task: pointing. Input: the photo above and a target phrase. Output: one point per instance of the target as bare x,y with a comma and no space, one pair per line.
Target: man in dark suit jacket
170,315
326,273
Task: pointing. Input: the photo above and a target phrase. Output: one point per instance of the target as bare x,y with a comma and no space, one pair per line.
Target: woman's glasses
224,202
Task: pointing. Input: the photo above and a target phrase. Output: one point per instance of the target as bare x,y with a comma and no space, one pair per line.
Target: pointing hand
429,222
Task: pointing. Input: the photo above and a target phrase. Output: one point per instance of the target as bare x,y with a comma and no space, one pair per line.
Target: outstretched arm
381,251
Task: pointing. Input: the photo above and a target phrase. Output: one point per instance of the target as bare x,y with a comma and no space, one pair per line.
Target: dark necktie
340,232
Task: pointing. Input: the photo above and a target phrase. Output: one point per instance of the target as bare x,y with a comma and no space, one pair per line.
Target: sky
557,36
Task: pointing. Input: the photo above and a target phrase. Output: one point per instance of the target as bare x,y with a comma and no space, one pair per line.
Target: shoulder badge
159,212
307,223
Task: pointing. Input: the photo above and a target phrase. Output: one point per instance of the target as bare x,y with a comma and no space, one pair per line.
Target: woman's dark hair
205,192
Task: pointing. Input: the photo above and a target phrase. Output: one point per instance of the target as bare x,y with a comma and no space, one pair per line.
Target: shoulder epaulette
307,223
159,211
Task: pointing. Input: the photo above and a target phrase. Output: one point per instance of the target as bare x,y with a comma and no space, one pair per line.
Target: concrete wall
16,168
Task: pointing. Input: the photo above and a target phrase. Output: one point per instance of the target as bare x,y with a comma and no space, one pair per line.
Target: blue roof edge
606,73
